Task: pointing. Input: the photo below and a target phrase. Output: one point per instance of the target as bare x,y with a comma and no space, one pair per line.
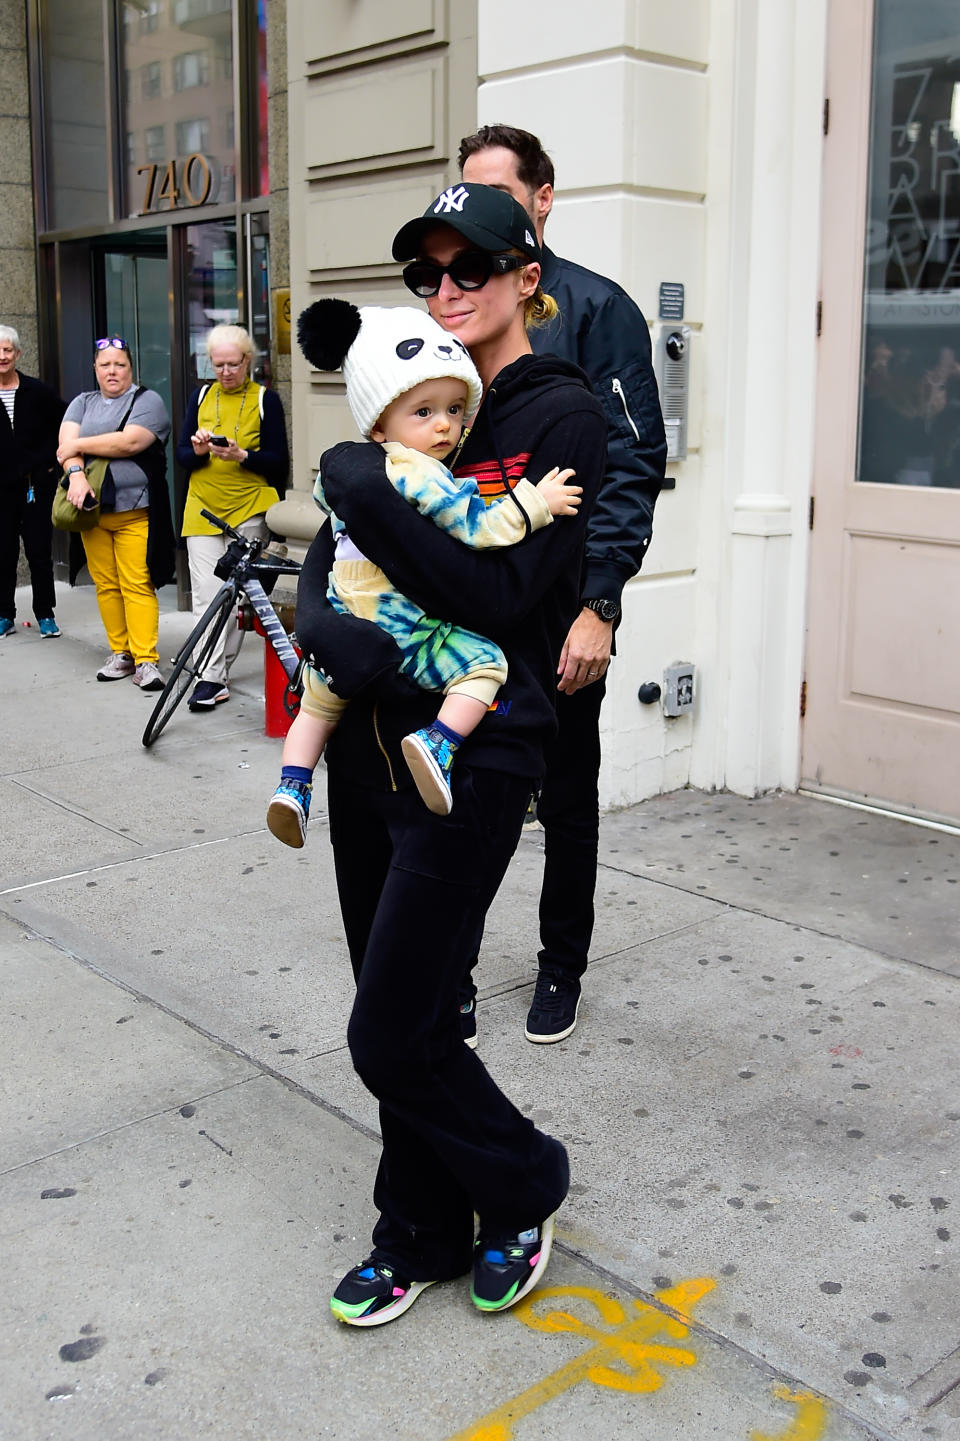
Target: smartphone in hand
219,440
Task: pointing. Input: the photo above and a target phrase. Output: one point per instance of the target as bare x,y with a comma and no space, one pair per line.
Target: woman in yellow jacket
234,446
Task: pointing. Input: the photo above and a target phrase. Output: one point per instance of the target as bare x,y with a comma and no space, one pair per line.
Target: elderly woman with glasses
233,446
130,551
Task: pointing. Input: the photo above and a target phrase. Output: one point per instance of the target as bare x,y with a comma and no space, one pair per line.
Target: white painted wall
618,94
687,143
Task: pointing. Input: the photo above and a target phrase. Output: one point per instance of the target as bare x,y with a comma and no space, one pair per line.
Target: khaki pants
203,552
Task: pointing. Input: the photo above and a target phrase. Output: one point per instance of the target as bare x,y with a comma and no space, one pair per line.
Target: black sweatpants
414,888
31,520
568,808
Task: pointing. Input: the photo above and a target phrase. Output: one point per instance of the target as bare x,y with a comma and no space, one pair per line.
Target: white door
882,691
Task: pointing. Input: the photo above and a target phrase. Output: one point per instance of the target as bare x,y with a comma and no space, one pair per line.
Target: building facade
794,167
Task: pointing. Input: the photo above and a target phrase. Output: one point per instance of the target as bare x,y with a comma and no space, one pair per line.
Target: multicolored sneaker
429,755
289,811
468,1022
506,1268
372,1294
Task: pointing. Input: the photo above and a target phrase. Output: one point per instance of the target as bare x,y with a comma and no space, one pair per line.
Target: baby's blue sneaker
429,755
289,811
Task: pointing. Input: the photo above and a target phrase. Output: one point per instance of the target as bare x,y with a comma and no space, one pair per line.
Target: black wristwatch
607,610
72,469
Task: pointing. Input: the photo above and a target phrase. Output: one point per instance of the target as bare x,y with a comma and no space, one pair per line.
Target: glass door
135,307
210,292
258,291
132,301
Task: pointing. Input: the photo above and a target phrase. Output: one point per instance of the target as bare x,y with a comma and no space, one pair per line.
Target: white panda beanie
383,351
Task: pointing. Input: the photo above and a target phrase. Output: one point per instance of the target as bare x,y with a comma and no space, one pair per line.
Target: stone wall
18,278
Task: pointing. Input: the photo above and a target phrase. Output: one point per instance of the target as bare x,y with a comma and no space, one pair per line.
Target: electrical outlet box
678,688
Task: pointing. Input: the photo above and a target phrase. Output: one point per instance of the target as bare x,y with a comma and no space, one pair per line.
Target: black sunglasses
470,270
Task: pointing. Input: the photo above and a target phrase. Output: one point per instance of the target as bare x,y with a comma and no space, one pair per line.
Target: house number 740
195,181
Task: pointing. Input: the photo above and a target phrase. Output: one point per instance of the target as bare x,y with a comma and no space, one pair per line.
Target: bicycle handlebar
221,524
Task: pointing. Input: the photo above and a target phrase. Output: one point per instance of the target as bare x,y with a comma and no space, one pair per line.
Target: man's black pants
568,808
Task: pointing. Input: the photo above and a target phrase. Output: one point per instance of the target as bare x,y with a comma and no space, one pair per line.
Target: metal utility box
672,365
678,688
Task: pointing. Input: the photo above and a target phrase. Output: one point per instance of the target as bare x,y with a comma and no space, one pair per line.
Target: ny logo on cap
451,200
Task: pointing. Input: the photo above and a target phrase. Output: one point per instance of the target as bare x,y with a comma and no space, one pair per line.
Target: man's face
9,355
497,167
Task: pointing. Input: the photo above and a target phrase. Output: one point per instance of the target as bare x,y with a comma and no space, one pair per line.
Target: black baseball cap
490,219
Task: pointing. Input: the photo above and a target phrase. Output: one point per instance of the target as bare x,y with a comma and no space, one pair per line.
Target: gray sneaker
148,677
116,666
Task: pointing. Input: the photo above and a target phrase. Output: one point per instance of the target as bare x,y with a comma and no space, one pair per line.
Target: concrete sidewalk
761,1104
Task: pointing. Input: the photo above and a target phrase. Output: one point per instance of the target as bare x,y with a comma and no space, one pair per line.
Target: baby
410,386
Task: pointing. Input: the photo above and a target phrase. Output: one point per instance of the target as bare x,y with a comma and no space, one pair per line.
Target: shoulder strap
136,396
203,391
263,391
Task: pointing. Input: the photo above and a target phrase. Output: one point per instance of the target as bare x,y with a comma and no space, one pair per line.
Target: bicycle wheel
190,660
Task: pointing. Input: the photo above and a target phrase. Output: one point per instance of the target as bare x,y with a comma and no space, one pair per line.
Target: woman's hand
230,451
200,441
68,454
78,489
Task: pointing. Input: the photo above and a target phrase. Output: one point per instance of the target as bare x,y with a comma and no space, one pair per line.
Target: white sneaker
116,666
148,677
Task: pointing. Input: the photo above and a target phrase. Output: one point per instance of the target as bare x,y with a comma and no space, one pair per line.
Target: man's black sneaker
468,1023
553,1011
373,1293
506,1268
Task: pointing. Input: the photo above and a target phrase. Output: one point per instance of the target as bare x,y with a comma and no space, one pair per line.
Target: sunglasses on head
470,270
116,342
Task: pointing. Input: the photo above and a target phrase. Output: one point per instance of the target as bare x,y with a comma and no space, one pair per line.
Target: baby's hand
562,499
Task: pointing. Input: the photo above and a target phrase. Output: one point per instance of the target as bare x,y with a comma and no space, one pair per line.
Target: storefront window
74,106
910,412
182,53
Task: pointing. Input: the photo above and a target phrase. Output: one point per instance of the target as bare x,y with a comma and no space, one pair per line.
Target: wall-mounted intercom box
672,365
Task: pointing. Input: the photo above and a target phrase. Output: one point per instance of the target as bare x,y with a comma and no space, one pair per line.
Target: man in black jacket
30,415
601,330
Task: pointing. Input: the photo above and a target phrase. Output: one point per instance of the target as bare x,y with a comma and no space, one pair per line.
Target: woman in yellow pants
129,552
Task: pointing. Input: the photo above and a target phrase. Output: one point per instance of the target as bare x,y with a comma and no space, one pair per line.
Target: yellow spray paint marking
623,1355
810,1422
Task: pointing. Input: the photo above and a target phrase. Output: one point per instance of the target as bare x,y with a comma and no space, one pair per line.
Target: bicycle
241,568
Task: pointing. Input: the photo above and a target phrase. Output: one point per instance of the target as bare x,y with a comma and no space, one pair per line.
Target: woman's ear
529,279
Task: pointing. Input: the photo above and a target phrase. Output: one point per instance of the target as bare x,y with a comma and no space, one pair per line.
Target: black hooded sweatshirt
538,413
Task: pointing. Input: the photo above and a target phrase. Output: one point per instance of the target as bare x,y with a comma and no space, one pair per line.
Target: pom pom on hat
326,330
383,351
